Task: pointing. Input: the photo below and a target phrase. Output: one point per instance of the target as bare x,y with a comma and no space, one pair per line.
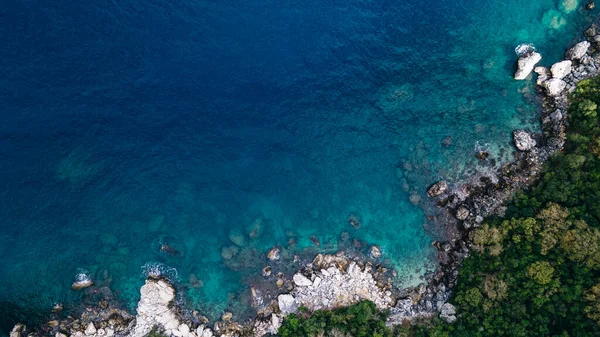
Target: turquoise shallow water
130,124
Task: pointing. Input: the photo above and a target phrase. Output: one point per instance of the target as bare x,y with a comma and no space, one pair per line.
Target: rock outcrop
154,308
578,51
525,64
448,312
334,287
437,189
82,280
287,304
555,86
543,74
561,69
523,140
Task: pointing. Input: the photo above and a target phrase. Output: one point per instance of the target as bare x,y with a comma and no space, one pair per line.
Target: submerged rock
237,238
437,189
354,221
375,252
273,254
577,51
525,65
561,69
553,19
568,6
228,253
523,140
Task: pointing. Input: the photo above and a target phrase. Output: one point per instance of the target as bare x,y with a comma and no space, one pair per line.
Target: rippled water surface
126,125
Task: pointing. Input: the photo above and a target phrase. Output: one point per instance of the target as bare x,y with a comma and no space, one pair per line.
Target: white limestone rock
154,308
543,74
577,51
287,304
17,330
207,333
301,280
555,86
90,330
200,329
525,65
561,69
341,287
523,140
448,312
185,330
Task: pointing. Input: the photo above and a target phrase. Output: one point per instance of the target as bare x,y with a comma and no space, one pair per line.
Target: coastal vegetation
359,320
534,272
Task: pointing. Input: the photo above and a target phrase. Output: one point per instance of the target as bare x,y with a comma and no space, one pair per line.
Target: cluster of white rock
334,287
155,309
552,79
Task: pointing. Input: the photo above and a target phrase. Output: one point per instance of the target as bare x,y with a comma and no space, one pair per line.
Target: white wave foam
82,276
524,48
157,269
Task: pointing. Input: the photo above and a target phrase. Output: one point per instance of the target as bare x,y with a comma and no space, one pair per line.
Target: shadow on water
12,313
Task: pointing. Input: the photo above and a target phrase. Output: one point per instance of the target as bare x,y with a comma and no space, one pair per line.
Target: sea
189,137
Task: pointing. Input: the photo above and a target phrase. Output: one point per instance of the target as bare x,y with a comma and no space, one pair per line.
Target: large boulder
555,86
82,280
90,329
525,64
437,189
287,304
577,51
448,313
462,213
523,140
561,69
17,330
543,74
301,280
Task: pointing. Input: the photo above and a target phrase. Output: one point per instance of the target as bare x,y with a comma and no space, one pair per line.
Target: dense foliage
360,320
535,272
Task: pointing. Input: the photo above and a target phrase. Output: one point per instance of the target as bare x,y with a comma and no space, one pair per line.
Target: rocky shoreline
332,281
484,195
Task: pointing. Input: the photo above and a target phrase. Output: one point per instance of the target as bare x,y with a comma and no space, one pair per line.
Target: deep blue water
125,124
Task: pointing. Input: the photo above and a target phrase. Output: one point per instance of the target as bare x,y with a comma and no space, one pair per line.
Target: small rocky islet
332,281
